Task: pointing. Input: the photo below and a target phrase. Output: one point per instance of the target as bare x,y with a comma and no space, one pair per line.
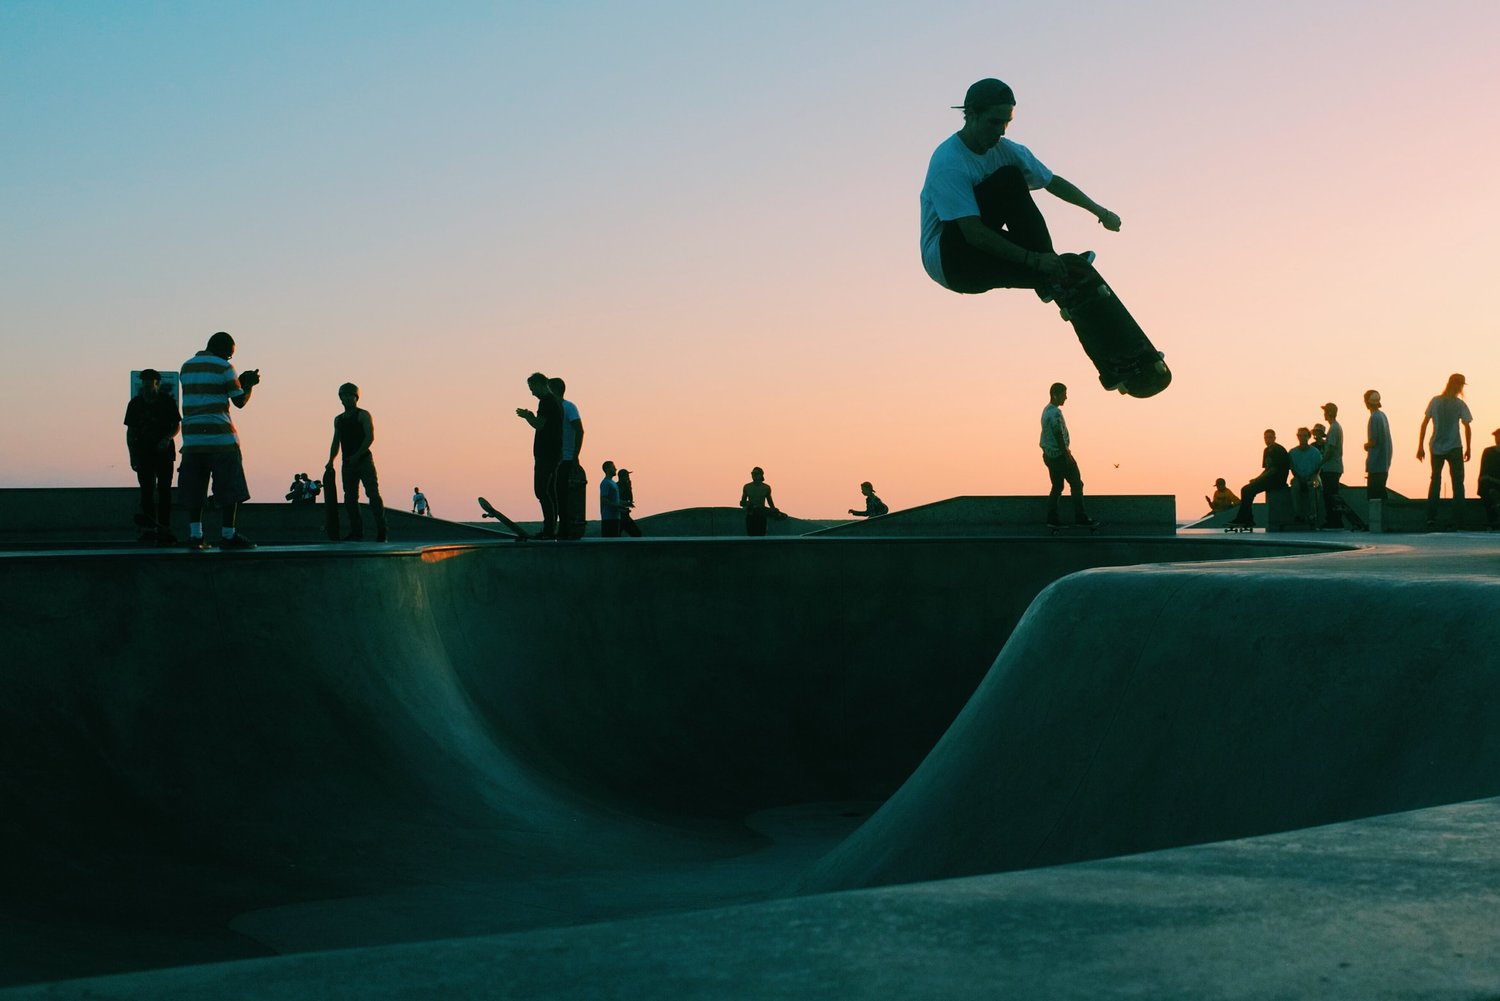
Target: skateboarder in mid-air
981,230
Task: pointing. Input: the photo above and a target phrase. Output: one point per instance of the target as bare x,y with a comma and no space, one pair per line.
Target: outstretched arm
1069,192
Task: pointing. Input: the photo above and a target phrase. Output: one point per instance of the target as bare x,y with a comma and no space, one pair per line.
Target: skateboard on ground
516,531
1239,526
1115,343
1351,518
1056,528
330,504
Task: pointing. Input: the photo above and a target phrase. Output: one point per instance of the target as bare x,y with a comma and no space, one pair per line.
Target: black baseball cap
987,93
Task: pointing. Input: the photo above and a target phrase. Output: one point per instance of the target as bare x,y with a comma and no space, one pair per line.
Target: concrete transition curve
1141,709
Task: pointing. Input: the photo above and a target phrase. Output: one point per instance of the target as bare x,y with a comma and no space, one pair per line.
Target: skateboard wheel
1104,292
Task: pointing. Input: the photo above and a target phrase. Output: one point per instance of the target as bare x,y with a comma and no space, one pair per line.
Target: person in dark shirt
1489,482
874,506
1276,464
354,432
151,423
546,449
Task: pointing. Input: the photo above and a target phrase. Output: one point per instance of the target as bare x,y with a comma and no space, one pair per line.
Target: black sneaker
197,543
236,541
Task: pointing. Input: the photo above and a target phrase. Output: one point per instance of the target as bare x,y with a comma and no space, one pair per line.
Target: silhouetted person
303,490
1332,471
1223,498
354,433
151,423
1275,465
1379,450
572,517
546,449
210,444
627,502
874,506
756,501
419,505
1446,411
1058,458
981,229
1489,482
1305,460
609,503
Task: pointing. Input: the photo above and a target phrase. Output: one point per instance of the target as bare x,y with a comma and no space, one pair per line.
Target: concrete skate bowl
1141,709
192,738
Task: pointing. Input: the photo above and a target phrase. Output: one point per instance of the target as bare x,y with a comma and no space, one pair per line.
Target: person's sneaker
1088,522
165,538
381,537
147,536
351,537
197,543
236,541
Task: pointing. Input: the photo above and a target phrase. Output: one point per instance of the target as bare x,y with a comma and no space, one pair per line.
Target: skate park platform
871,767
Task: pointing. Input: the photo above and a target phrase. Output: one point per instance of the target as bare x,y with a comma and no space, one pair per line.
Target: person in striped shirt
210,446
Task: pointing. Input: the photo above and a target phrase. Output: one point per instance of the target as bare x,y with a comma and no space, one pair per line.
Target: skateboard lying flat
1115,343
516,530
1092,527
1239,526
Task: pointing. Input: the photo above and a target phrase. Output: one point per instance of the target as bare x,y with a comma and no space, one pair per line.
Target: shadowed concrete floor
396,746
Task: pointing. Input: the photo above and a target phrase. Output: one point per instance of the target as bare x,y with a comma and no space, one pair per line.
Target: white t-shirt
570,434
1054,432
1446,412
948,192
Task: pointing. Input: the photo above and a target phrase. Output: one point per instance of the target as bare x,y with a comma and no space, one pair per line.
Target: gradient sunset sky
704,218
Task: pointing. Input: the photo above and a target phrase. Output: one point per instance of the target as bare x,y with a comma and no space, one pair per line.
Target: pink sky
707,223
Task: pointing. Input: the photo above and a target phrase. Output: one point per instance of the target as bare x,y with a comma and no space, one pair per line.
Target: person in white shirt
1446,411
1058,457
981,228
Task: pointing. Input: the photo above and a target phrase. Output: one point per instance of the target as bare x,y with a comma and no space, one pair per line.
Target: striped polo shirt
208,383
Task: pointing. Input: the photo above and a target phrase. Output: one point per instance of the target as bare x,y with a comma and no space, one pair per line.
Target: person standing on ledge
354,432
1446,411
151,423
1059,460
210,444
546,449
1378,453
419,505
981,229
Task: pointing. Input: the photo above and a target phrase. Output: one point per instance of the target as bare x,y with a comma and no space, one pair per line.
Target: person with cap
1489,483
210,443
874,506
1446,411
1223,498
627,501
1379,450
151,423
981,228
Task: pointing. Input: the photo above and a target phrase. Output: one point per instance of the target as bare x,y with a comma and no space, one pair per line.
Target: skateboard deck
330,504
1238,526
572,516
1073,526
1350,516
516,531
1115,343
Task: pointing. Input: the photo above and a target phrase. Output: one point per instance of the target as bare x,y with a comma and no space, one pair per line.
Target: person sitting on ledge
1275,465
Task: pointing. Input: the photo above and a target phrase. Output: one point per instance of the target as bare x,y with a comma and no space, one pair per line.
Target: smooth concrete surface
1391,909
82,517
981,517
407,751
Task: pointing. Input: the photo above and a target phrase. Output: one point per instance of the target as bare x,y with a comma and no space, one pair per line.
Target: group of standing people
558,479
211,456
1317,462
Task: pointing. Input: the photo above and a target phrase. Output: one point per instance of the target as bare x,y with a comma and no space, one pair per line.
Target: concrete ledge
981,516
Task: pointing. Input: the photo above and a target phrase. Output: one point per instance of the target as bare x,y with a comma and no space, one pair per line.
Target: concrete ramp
1141,709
